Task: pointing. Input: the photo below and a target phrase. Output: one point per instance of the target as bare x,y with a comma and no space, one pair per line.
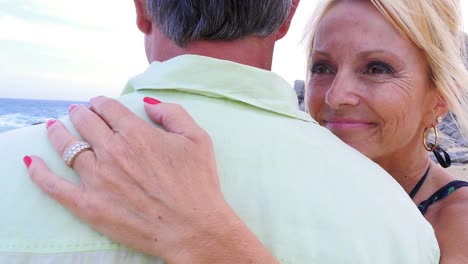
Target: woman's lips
346,124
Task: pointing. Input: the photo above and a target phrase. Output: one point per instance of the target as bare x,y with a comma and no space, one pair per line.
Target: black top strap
441,194
419,184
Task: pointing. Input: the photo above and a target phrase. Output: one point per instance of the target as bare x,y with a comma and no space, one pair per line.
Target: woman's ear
439,108
143,20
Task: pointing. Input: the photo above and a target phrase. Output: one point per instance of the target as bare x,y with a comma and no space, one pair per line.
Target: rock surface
299,88
452,140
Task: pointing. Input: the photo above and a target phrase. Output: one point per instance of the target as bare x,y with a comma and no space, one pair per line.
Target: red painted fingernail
27,161
50,123
71,107
151,101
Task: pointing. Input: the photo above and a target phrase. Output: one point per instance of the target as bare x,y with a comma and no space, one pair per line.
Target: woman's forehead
359,24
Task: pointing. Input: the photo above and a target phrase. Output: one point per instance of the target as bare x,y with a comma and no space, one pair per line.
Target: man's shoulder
20,142
33,222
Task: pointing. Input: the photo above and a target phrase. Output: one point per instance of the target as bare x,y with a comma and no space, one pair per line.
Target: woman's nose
343,92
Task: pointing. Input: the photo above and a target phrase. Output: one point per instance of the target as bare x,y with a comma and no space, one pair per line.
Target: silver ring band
74,150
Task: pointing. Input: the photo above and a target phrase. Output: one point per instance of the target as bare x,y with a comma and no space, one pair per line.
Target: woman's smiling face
369,84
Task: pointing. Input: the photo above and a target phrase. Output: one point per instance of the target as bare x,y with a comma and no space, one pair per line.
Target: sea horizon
21,112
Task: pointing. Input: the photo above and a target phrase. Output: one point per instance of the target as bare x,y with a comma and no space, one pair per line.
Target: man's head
192,21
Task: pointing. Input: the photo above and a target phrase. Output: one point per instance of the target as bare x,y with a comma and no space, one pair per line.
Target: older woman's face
369,84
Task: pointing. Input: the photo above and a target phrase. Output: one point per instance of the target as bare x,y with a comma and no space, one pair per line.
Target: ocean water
16,113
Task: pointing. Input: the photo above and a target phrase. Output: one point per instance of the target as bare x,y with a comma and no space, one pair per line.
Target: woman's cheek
315,98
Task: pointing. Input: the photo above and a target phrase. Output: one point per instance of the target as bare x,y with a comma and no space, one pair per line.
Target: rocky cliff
455,142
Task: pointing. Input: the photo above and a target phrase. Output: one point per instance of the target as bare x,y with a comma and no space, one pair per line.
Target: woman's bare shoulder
450,224
454,207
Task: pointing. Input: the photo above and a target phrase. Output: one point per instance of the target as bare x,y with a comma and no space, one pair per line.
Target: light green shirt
309,197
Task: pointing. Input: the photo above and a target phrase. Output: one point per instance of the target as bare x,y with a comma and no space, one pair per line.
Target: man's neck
252,51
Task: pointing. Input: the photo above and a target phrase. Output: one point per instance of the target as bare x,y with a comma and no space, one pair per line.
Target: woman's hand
153,190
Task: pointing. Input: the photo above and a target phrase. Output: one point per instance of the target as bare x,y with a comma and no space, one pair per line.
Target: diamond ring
74,150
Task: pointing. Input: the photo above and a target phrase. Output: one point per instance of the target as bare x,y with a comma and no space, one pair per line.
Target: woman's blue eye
379,68
320,68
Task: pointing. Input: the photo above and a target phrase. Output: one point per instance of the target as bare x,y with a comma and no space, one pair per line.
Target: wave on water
17,113
17,120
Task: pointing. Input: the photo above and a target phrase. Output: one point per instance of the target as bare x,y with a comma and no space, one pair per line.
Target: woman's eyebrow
321,53
368,53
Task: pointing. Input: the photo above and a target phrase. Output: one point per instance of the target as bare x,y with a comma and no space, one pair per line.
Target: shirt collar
221,79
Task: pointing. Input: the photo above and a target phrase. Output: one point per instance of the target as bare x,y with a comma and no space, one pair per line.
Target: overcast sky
59,49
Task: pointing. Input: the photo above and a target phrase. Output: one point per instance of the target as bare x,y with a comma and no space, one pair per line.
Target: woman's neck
406,167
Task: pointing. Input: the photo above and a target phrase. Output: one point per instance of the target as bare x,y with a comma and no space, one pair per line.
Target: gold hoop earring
436,139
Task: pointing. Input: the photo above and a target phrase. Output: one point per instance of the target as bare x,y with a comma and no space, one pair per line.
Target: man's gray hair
184,21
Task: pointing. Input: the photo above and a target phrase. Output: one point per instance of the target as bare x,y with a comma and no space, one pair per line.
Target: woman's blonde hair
435,26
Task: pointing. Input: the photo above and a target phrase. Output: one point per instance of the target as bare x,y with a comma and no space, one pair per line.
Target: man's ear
143,20
287,23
